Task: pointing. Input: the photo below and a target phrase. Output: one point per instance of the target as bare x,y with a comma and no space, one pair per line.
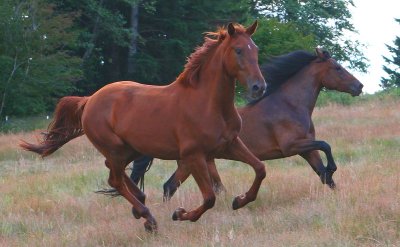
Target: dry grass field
51,202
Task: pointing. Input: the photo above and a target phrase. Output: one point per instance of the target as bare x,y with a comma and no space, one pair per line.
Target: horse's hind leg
314,159
181,174
198,168
176,179
215,178
124,185
305,145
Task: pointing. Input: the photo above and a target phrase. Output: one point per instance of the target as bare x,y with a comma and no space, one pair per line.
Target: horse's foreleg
124,185
238,151
308,150
198,168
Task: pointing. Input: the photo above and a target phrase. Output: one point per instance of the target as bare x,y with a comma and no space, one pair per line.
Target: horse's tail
65,126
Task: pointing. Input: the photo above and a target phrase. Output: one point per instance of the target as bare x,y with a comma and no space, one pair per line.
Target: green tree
327,21
172,31
393,67
35,65
146,41
103,39
275,38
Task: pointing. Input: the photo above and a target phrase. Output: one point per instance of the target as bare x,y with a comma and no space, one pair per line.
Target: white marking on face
249,47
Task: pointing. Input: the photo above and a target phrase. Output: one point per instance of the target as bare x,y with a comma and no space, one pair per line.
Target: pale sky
374,21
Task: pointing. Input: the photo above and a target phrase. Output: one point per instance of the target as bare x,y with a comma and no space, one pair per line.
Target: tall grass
50,202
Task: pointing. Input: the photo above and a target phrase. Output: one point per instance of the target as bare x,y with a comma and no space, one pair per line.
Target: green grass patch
15,125
333,97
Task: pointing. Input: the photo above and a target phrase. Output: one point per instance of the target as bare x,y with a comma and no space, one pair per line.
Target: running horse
190,120
279,124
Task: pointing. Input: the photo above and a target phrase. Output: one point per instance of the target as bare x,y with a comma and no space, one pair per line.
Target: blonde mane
190,76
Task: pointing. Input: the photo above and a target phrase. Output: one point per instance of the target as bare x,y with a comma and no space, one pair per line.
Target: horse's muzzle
257,90
356,89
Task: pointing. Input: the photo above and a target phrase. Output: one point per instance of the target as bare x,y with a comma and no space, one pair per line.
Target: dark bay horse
190,120
279,124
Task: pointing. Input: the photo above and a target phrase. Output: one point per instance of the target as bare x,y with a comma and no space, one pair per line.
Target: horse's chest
210,133
227,131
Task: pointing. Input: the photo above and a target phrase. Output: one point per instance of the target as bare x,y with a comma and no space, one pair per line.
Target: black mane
280,68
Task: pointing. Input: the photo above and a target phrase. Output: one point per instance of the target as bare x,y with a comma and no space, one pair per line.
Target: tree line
52,48
392,67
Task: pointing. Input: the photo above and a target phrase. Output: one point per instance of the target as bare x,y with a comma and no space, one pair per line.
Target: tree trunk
133,44
3,99
91,46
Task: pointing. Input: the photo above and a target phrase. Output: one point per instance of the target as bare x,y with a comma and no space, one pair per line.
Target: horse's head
241,59
334,76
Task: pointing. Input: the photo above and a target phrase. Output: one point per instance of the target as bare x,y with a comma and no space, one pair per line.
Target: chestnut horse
279,124
191,120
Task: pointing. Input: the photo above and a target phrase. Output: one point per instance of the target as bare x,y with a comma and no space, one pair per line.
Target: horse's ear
250,30
231,29
324,55
319,53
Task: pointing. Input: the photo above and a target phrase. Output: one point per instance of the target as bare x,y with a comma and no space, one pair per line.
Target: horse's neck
302,89
217,86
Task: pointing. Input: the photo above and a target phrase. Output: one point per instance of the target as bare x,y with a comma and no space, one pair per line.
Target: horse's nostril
361,86
255,88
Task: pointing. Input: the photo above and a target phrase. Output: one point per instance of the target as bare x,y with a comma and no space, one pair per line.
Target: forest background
53,48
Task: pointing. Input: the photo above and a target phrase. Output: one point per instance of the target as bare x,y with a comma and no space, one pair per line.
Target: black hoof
177,214
169,191
235,204
332,185
326,178
166,197
150,226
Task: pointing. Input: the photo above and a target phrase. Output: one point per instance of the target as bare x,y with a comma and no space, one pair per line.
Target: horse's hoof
239,202
332,185
169,191
150,226
236,203
177,215
135,213
166,197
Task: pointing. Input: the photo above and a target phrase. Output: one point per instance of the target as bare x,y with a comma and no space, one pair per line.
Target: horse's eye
238,51
338,68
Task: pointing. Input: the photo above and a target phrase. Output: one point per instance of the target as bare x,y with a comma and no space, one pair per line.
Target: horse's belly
159,142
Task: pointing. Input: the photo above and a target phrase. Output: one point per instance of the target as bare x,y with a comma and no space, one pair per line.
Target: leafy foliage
51,48
393,67
327,21
35,64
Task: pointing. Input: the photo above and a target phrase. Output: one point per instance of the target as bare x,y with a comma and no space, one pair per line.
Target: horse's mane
280,68
198,57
